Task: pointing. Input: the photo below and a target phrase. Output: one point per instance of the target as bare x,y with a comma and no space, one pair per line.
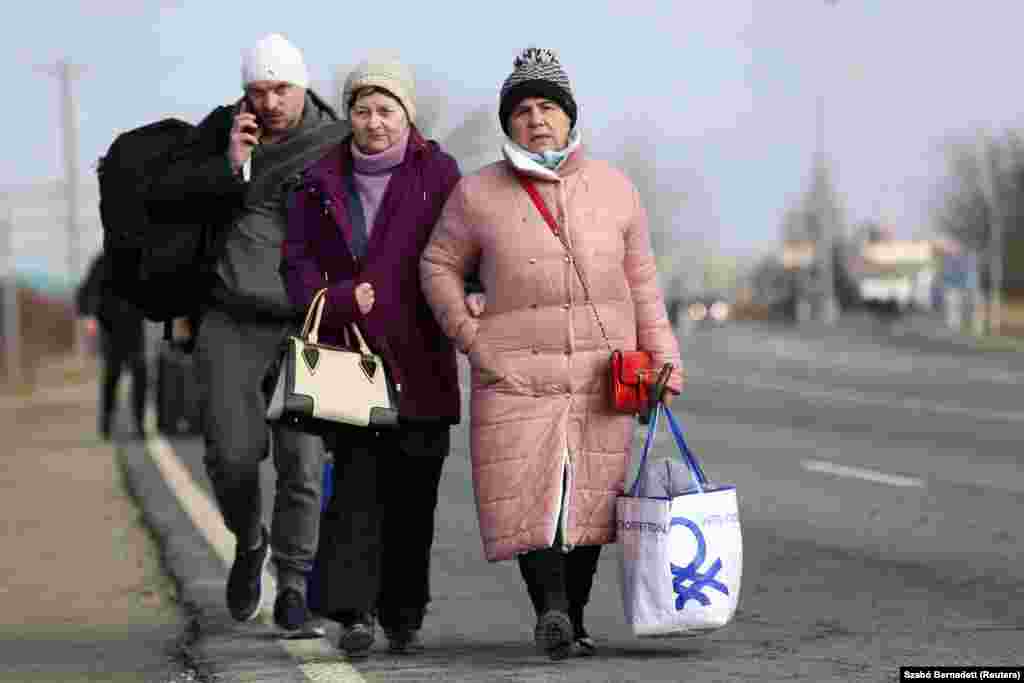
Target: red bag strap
538,201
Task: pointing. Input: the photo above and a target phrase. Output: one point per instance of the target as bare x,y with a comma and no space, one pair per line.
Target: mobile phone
247,106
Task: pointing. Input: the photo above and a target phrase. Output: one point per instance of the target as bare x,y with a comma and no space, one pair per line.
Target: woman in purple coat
357,225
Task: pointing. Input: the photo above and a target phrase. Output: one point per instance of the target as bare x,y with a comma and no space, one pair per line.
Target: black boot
402,627
357,633
553,634
581,565
544,574
582,643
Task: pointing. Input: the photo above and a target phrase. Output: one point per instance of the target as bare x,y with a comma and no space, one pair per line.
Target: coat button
568,260
535,350
533,305
567,306
533,261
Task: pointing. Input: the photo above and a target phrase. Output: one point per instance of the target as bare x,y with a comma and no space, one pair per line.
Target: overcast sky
725,89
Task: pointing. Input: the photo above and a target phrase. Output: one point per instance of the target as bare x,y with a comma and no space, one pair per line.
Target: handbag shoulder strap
311,324
545,212
363,347
538,201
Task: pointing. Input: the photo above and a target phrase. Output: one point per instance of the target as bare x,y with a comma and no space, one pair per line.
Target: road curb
186,556
216,647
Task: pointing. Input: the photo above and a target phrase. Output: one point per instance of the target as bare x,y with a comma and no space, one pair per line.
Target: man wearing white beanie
236,180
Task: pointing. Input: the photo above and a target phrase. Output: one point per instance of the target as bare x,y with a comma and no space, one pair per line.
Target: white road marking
860,473
207,519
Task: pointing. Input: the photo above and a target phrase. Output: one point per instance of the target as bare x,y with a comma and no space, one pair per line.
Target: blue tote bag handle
677,434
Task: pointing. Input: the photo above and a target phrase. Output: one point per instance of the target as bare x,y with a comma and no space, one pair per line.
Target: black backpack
158,263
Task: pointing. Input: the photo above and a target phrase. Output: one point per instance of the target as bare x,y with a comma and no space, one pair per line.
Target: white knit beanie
273,58
383,71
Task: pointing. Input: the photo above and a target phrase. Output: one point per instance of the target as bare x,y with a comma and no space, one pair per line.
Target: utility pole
11,320
990,167
826,239
66,73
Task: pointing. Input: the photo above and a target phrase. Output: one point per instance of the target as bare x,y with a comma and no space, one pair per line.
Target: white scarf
544,165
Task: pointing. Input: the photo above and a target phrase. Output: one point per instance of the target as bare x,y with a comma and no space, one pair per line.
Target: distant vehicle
896,276
707,309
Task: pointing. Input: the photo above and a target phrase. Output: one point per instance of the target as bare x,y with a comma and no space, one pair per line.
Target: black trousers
116,356
378,529
560,581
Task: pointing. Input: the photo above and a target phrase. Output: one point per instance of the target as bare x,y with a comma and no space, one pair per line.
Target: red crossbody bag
630,373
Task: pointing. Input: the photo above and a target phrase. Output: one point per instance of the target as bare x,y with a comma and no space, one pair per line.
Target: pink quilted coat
546,450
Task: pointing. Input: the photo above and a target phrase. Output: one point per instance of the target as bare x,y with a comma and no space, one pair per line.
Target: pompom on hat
536,73
273,58
384,71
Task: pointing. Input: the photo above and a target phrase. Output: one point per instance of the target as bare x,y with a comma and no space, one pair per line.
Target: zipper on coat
327,207
562,206
561,532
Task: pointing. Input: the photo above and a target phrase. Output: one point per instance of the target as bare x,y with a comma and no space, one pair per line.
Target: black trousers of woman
378,529
560,581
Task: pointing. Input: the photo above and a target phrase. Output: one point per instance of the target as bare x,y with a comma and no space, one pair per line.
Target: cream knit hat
273,58
383,71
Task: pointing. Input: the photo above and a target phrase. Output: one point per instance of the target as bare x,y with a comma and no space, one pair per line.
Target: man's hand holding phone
245,134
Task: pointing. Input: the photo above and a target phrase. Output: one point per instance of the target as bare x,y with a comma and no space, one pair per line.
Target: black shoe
404,641
314,627
311,629
245,582
582,644
553,634
290,611
357,639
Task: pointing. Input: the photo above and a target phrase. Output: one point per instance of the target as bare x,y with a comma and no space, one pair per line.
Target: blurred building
797,254
805,278
37,236
39,270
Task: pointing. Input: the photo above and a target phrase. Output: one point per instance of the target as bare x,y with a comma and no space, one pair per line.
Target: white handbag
319,385
682,555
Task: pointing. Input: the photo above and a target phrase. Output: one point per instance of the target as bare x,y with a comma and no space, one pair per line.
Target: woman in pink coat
549,456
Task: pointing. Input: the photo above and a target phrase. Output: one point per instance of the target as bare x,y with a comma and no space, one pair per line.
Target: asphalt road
881,496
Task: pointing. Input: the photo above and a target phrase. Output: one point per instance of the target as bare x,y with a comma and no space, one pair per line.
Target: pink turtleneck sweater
372,172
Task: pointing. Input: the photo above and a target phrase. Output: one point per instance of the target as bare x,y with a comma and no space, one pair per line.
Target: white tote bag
682,555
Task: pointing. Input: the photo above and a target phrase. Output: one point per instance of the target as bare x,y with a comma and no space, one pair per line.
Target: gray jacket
249,267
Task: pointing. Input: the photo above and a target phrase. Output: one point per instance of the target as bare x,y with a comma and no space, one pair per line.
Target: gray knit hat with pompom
536,73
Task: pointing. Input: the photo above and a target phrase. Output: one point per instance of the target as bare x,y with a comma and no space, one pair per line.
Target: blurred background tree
475,141
681,216
963,212
805,221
